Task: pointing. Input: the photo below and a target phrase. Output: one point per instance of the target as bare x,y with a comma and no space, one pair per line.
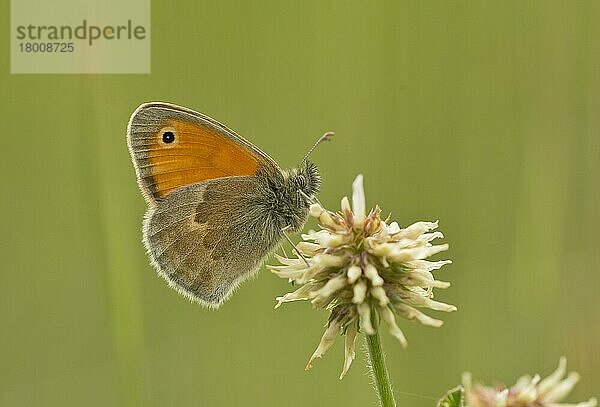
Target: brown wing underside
206,238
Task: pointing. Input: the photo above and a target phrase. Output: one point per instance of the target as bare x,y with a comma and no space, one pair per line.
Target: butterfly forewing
173,147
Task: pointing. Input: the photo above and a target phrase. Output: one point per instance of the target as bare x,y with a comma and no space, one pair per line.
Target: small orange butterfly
217,205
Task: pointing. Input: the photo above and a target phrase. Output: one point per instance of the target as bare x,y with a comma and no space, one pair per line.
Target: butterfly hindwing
206,238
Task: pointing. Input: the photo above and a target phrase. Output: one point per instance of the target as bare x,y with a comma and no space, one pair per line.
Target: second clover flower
358,264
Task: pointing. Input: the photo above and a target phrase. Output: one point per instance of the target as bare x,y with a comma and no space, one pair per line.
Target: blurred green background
484,115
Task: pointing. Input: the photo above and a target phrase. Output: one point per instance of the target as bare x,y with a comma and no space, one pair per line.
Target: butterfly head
306,179
291,192
292,195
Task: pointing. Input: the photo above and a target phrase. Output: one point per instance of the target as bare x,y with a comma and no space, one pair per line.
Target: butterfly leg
293,245
284,252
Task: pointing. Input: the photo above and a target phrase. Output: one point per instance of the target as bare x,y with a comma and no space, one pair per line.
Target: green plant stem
377,366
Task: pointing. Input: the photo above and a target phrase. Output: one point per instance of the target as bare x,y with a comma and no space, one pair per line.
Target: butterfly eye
168,135
301,181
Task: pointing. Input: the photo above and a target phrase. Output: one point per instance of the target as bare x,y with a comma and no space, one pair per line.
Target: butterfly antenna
325,137
294,246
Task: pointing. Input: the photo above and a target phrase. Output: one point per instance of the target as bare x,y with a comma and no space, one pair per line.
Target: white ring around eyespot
163,131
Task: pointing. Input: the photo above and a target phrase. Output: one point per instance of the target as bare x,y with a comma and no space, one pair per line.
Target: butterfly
217,204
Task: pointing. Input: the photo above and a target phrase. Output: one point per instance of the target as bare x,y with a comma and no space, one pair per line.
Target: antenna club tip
328,135
325,137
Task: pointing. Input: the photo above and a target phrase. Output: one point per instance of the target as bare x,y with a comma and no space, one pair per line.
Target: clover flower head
358,263
527,392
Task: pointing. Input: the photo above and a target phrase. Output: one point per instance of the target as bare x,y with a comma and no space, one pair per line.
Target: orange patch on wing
198,153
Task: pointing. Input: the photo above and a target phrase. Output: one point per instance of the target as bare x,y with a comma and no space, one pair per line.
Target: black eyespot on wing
168,137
